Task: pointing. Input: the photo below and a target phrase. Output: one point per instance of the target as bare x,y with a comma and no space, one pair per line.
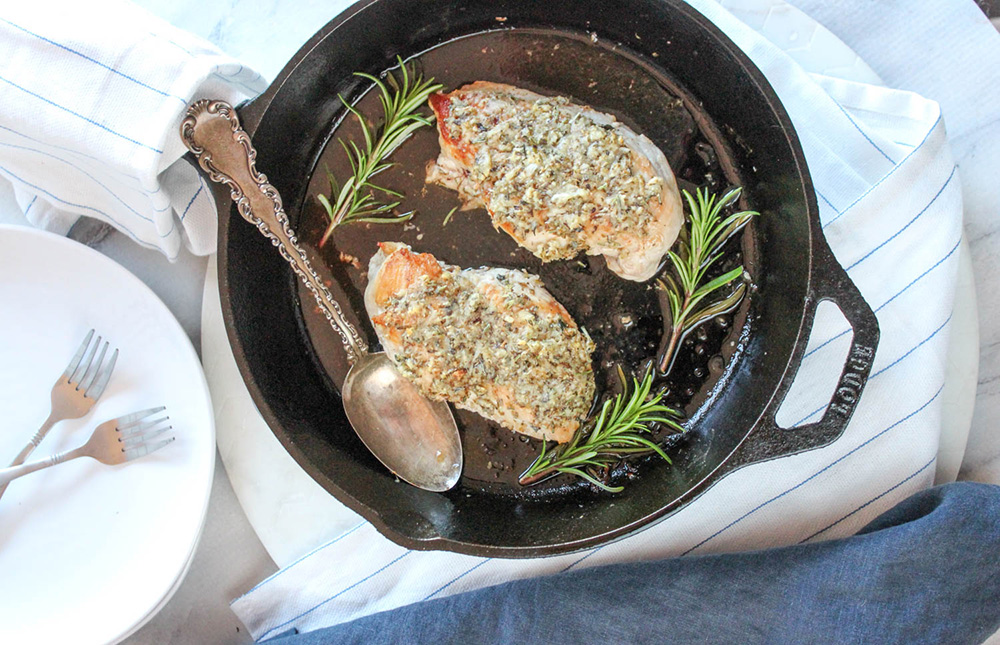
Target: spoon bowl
414,437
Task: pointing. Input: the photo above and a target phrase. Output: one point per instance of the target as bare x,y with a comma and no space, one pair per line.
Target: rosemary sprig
617,432
688,289
354,200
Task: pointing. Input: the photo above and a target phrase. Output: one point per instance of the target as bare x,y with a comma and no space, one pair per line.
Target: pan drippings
625,319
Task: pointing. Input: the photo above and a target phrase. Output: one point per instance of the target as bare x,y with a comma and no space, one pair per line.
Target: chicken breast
561,179
489,340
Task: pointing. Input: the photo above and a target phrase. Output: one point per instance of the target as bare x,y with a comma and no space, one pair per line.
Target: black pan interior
660,68
624,318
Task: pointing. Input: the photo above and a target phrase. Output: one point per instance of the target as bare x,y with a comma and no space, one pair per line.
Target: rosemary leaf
700,248
711,311
355,199
717,283
616,432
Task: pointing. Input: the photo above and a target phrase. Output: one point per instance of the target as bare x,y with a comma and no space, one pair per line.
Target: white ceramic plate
87,551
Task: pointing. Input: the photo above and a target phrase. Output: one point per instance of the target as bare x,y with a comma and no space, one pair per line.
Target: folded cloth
924,572
966,81
93,96
891,208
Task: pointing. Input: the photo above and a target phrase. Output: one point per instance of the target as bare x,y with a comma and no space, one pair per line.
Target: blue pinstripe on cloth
891,208
93,95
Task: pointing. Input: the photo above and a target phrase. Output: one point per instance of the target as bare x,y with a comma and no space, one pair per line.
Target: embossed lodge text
849,388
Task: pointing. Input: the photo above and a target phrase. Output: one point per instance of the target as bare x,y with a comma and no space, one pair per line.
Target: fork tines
137,431
91,376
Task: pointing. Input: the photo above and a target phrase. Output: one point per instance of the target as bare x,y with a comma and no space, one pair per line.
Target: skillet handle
767,440
211,130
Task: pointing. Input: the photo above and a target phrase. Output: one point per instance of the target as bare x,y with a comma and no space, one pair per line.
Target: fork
113,442
75,392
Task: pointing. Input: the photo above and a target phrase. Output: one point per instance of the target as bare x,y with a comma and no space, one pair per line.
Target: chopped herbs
495,342
550,156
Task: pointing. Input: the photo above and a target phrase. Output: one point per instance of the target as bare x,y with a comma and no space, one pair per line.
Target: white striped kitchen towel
891,207
93,96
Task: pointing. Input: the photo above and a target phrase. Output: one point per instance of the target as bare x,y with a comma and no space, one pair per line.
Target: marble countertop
230,558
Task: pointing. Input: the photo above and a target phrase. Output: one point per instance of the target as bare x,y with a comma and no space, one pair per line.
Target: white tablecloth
940,50
890,198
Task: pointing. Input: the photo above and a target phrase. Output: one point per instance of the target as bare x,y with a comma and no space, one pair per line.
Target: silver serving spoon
414,437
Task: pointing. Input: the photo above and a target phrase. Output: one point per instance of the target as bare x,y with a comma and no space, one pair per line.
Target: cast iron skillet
793,270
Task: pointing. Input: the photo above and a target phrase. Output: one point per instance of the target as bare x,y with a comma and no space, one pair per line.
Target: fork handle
36,439
23,455
9,474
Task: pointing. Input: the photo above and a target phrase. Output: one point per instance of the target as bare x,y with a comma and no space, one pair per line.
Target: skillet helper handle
767,440
211,130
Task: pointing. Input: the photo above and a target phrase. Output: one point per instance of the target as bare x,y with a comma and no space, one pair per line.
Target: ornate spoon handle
212,132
